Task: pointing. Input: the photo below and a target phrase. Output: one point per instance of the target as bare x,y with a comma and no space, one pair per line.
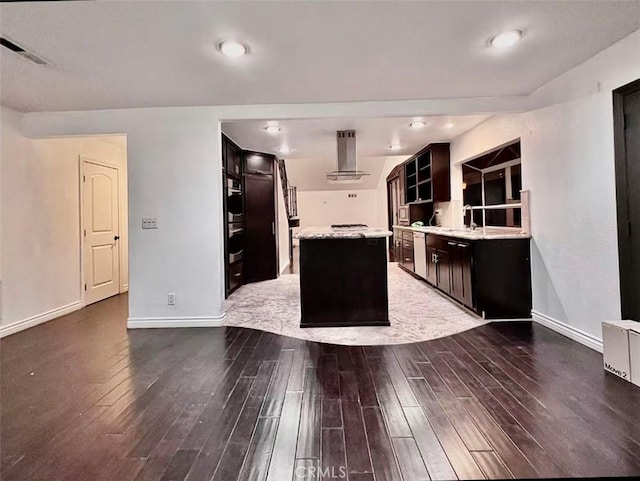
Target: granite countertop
326,232
462,233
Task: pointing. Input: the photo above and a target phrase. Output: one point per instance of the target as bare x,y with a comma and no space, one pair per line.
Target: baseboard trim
517,319
172,322
568,331
39,319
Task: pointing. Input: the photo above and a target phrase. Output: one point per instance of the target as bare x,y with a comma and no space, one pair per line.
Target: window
495,179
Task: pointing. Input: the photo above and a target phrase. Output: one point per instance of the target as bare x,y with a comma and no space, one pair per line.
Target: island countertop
326,232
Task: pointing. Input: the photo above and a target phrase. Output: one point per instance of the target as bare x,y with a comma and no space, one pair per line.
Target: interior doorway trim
622,196
81,162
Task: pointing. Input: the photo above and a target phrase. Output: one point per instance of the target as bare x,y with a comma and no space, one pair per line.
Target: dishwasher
420,254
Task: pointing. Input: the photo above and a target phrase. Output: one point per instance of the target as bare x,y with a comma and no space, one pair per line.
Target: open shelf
424,191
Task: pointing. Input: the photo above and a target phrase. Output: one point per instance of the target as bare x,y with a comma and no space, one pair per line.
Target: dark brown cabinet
490,277
461,267
502,278
427,175
258,163
350,289
396,242
233,210
261,254
432,271
441,172
235,276
438,263
233,158
406,252
250,210
407,255
413,187
396,201
443,270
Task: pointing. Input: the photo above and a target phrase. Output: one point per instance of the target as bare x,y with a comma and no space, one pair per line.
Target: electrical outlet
171,298
438,211
149,223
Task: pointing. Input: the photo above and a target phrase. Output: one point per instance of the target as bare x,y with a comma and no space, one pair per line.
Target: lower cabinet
397,245
432,265
439,268
461,264
234,276
406,255
490,277
443,269
439,263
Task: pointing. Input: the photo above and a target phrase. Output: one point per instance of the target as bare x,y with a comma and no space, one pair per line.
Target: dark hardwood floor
84,399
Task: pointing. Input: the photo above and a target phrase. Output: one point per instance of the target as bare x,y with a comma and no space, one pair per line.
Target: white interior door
101,232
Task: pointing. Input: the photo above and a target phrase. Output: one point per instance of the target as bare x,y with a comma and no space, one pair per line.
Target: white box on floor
615,347
634,354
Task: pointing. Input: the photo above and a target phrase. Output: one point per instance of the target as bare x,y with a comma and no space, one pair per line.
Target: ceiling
316,138
150,54
314,148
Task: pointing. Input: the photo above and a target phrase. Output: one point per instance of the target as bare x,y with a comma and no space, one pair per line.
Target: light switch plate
149,223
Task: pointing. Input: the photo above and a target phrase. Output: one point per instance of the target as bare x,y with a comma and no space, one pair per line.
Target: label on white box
617,372
615,340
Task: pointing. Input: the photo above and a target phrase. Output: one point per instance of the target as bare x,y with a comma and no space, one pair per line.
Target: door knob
116,238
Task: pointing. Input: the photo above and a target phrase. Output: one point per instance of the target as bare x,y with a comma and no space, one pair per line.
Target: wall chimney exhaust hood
347,172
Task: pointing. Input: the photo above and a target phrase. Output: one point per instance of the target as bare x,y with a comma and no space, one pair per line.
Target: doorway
626,111
101,231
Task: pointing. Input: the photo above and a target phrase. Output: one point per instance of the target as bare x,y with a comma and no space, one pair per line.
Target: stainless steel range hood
347,172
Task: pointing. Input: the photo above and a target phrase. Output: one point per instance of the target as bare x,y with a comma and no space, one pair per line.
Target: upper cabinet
427,175
231,158
258,163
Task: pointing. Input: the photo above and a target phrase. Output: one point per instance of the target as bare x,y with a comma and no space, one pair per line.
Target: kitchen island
343,276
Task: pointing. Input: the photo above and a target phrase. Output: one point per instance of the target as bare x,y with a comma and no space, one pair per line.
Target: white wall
173,157
41,221
571,175
326,207
568,165
283,227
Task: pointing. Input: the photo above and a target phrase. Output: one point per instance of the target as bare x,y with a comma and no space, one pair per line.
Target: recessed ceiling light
416,124
231,48
395,147
449,125
506,39
272,129
284,149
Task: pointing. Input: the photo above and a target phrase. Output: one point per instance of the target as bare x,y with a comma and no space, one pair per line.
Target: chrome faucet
472,224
